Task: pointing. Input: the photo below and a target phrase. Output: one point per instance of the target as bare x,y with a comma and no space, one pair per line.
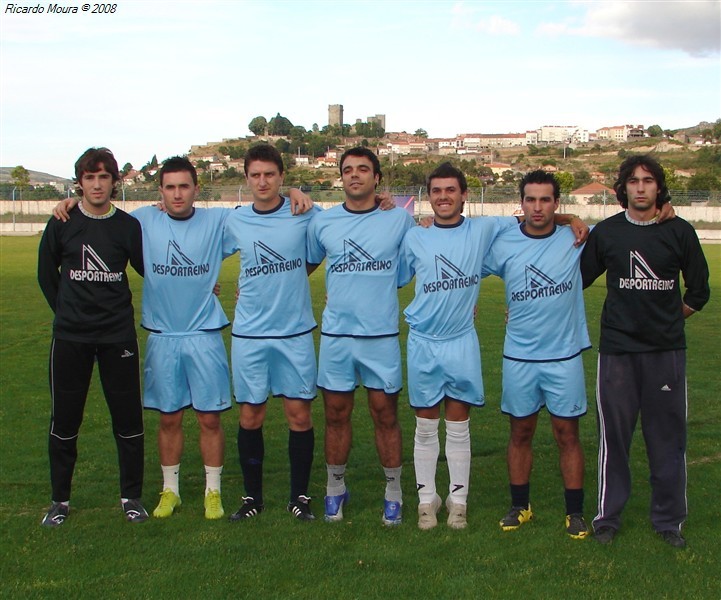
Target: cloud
465,17
693,26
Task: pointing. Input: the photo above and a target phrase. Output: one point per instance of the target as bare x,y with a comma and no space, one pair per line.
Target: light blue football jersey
361,251
447,262
182,259
544,294
274,299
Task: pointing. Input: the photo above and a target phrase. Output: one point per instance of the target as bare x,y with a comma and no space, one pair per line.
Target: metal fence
242,195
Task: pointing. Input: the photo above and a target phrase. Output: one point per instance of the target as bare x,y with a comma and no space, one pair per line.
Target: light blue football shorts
558,385
440,368
283,366
345,362
186,370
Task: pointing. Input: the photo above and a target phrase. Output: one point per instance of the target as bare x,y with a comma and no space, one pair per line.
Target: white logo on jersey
355,258
449,277
540,285
92,261
94,268
175,256
178,264
535,278
642,276
269,262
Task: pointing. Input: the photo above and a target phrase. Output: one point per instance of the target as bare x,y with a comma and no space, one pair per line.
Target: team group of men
369,252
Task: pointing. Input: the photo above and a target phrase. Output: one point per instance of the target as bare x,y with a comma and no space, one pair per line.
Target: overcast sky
156,77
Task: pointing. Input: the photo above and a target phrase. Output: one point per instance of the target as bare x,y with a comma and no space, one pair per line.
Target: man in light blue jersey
359,334
185,360
186,363
545,336
272,348
444,360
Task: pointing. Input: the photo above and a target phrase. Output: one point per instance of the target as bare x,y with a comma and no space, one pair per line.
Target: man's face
642,190
96,187
539,207
447,200
264,179
179,192
359,182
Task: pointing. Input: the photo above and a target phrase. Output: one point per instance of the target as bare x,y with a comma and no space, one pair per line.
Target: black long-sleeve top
82,273
643,309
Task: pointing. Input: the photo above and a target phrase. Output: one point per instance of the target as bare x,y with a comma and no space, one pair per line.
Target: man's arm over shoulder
695,274
49,264
136,248
592,263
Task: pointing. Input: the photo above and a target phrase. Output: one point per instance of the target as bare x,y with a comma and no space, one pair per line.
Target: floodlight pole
14,207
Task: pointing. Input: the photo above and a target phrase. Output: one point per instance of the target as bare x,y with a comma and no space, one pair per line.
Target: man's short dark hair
363,152
540,176
91,161
650,164
178,164
266,153
447,171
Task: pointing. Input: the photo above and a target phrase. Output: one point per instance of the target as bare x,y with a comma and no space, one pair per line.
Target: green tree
508,176
231,173
258,125
655,131
126,169
672,181
565,180
581,177
279,125
20,177
473,181
283,146
703,181
717,129
421,133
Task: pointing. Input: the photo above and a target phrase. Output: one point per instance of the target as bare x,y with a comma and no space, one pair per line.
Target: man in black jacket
82,273
642,356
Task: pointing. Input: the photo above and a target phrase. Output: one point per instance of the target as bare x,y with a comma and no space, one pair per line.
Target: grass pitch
96,554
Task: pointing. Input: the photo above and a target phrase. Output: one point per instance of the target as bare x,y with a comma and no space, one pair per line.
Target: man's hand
62,209
426,221
666,213
385,201
216,288
299,202
580,230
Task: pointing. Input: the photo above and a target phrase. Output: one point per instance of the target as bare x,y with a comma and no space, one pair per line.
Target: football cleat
427,512
134,511
213,505
456,514
517,516
169,501
250,508
300,508
392,513
576,526
56,515
334,507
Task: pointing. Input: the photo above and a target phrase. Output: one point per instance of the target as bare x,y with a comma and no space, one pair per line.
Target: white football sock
426,448
335,485
393,484
212,478
171,478
458,455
